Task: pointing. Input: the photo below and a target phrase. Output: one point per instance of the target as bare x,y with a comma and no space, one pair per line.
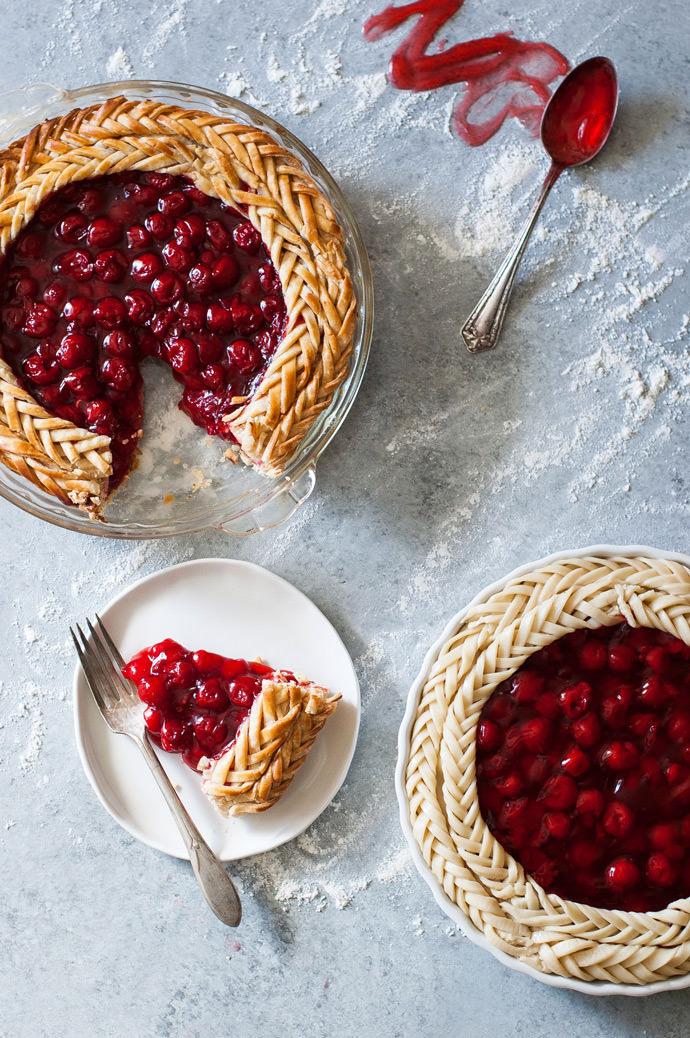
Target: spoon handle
483,327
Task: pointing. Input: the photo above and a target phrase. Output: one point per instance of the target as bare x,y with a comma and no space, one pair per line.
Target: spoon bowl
575,127
577,120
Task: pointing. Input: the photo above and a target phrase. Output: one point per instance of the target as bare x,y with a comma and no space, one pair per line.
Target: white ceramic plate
237,609
448,906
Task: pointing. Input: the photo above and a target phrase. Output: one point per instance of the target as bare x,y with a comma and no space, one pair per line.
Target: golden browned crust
245,167
544,931
72,464
271,745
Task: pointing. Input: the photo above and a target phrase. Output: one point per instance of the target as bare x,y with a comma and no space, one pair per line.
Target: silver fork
119,703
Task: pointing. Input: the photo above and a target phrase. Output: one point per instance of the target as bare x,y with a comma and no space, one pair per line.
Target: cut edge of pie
271,745
72,464
500,899
242,166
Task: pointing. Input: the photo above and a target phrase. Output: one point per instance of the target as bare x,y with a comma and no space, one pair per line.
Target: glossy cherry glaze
117,268
504,77
583,767
579,116
195,701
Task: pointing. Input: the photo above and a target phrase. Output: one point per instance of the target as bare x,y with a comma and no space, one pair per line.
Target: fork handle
216,885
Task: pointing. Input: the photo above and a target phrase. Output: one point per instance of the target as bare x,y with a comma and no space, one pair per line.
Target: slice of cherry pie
139,229
246,727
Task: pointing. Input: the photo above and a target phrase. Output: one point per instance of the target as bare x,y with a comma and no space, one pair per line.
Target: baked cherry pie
246,727
548,770
136,228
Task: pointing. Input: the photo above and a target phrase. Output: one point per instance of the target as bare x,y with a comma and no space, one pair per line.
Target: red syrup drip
504,78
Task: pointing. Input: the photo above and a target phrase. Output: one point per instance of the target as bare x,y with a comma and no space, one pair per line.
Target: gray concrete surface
450,471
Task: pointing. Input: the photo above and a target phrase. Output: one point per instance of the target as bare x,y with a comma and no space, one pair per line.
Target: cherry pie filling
195,701
120,267
583,767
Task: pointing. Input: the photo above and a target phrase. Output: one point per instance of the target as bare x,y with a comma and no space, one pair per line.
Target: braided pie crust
271,745
242,166
495,637
71,464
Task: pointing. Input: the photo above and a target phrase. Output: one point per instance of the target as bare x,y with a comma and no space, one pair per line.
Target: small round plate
237,609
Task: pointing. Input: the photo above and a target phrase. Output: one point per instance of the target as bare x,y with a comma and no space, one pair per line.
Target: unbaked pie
548,768
246,727
138,228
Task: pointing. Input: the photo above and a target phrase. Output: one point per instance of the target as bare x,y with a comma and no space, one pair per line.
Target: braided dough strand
70,463
549,933
270,747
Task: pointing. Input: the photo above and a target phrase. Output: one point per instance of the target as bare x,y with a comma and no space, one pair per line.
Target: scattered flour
234,84
35,742
394,868
633,382
417,429
331,882
480,228
23,711
119,65
169,24
321,869
368,90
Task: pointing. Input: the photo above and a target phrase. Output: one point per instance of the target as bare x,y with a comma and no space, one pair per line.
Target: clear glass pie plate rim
592,987
264,502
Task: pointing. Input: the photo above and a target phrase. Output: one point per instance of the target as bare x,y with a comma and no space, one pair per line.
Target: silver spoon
575,126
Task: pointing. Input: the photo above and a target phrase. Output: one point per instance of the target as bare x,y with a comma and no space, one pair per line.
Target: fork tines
101,663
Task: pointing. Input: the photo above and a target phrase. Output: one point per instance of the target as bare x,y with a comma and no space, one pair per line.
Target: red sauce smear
504,78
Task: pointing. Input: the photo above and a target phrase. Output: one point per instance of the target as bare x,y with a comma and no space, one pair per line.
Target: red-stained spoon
574,128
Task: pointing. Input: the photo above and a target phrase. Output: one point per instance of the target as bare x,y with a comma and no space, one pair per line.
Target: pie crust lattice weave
495,637
70,463
270,747
244,167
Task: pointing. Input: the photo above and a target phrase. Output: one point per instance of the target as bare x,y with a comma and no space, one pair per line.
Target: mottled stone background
450,471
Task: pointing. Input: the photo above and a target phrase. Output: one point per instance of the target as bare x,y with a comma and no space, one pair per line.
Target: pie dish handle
276,510
20,108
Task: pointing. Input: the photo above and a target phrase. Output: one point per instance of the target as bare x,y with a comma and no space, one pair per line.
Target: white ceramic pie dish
182,483
404,738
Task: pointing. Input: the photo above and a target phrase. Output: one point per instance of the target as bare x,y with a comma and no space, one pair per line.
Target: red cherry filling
583,767
119,267
195,701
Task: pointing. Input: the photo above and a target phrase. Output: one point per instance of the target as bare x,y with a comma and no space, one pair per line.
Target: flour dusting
613,279
483,226
119,65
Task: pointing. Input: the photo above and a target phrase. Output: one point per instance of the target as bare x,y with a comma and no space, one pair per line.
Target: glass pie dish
182,483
